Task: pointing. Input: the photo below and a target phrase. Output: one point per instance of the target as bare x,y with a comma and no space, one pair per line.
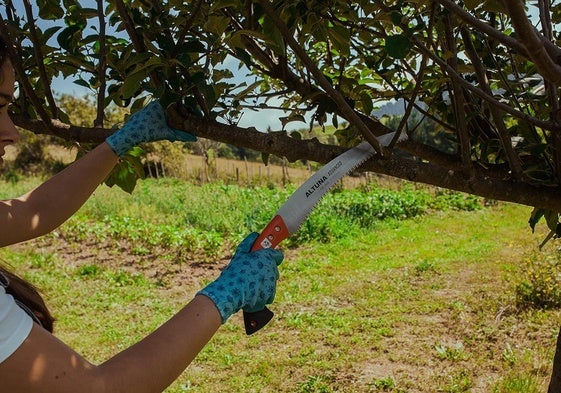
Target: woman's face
8,132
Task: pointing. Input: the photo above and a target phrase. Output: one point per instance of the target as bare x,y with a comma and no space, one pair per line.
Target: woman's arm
43,364
53,202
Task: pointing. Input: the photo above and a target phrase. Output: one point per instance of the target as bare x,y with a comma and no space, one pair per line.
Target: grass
420,303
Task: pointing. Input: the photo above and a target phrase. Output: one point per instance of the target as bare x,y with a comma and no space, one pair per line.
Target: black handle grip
254,321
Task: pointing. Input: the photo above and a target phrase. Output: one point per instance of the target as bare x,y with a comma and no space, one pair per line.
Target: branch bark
547,125
101,67
346,110
483,184
532,41
39,58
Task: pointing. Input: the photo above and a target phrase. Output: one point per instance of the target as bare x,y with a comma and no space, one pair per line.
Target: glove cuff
117,144
226,305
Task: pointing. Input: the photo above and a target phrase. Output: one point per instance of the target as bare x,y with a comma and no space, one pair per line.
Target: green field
410,290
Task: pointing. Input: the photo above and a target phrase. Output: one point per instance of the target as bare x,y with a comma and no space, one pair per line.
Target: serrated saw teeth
298,207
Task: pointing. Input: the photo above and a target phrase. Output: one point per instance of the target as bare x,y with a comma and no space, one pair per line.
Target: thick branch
62,130
532,41
483,27
282,145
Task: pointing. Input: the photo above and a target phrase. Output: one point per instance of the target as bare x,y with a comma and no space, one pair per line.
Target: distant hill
390,109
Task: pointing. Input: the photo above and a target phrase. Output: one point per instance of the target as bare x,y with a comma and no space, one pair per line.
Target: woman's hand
248,282
147,125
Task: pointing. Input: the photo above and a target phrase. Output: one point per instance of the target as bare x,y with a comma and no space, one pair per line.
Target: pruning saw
298,207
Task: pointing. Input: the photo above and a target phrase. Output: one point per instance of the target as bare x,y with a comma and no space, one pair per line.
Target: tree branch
346,110
137,40
532,41
39,59
101,67
459,100
22,78
547,125
496,115
484,27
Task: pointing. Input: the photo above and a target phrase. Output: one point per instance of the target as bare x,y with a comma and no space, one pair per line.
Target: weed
517,383
89,271
453,353
315,384
384,384
459,382
508,355
540,282
425,266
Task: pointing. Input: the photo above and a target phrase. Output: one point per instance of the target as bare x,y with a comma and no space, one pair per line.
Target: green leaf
535,217
50,9
66,38
127,172
367,103
292,117
398,46
340,37
81,82
265,158
132,84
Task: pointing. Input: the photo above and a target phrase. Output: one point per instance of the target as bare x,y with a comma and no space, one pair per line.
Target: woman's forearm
53,202
155,362
43,364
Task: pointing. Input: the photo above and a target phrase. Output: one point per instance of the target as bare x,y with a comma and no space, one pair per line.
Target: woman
32,359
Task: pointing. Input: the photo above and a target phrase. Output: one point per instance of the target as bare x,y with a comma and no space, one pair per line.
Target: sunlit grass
422,304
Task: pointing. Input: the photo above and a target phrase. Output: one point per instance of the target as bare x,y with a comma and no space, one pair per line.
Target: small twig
344,107
39,59
548,125
101,67
513,160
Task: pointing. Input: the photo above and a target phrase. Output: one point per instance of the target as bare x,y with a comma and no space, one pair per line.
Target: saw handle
275,232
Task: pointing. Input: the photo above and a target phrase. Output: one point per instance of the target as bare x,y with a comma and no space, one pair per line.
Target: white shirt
15,325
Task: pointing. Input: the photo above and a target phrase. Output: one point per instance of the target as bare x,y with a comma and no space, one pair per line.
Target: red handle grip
275,232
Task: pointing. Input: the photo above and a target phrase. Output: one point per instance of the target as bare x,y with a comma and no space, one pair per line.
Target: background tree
484,75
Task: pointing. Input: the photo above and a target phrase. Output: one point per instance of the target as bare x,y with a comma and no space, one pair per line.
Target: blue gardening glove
248,282
147,125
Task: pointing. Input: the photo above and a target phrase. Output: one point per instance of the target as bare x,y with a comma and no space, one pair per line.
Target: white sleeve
15,325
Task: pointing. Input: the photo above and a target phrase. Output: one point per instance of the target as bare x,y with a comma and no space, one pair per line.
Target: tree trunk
555,382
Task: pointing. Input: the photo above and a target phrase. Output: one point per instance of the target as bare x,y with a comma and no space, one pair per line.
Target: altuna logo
315,186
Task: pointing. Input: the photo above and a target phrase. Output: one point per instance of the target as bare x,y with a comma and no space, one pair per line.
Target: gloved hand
248,282
146,125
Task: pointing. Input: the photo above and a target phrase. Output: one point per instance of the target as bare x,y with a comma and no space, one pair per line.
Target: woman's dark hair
4,49
23,292
28,297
